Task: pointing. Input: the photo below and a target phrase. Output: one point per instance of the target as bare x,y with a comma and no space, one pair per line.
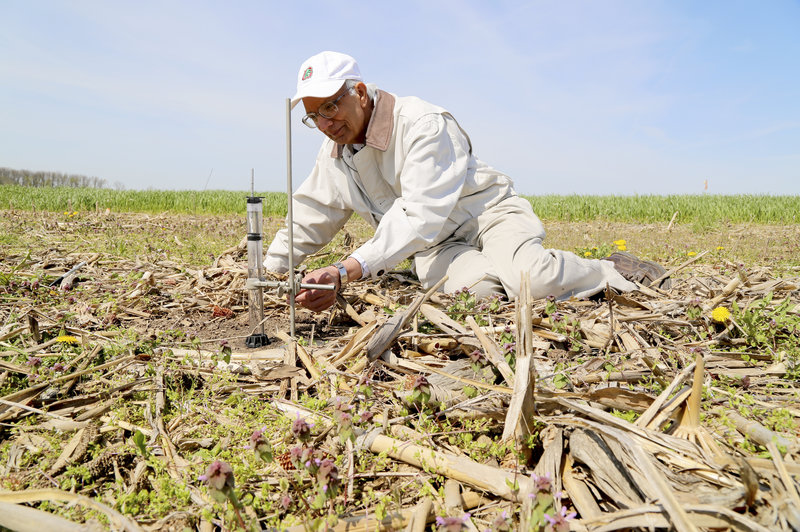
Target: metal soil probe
255,255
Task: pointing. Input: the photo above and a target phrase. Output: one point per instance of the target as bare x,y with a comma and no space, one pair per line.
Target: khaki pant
489,253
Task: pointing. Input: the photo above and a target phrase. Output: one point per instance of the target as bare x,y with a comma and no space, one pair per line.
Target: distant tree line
27,178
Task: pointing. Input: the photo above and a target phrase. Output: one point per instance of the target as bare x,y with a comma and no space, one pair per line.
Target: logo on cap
307,74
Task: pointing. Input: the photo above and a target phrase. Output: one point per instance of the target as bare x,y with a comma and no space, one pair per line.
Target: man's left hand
319,300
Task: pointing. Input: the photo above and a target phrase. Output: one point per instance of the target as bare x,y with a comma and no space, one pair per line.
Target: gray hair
372,90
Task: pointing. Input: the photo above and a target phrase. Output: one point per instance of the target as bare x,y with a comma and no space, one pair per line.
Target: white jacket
416,181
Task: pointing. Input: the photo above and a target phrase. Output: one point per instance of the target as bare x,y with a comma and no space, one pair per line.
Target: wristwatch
342,272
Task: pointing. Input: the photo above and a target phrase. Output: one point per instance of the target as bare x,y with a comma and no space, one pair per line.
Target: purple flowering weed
451,524
219,476
560,521
301,429
260,444
541,484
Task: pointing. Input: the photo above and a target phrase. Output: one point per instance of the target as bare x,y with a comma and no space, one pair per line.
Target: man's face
349,124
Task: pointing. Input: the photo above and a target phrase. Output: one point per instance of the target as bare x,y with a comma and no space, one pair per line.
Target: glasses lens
328,110
310,120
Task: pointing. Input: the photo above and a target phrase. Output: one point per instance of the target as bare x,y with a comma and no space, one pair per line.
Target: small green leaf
513,486
139,441
560,381
226,354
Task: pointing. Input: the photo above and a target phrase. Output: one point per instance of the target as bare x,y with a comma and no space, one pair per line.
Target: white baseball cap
323,74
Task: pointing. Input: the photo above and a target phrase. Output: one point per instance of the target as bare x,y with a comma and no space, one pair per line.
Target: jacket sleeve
436,160
318,213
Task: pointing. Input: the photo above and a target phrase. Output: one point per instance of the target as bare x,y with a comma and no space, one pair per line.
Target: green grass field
694,209
58,199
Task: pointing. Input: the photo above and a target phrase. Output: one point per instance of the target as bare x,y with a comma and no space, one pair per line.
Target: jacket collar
380,127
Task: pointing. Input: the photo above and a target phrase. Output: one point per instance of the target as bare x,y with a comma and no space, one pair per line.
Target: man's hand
319,300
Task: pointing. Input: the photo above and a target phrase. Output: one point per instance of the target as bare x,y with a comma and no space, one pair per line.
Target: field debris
129,402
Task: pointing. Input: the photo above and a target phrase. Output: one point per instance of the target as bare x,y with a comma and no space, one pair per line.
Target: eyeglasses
326,110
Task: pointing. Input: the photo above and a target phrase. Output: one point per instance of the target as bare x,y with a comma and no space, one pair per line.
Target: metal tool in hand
255,283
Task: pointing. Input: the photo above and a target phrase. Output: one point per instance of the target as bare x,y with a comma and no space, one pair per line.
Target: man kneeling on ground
408,168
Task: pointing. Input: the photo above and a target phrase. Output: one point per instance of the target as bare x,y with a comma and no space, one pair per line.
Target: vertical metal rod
289,213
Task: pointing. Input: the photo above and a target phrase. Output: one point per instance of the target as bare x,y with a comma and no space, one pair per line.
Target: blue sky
570,97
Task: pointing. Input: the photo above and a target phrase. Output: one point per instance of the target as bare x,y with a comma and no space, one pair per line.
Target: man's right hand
319,300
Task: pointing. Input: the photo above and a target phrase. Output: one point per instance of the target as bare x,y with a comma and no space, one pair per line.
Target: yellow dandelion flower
619,242
720,315
66,339
66,212
587,253
622,247
720,248
691,253
75,213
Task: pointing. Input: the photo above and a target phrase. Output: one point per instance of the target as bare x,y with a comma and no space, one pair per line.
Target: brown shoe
637,270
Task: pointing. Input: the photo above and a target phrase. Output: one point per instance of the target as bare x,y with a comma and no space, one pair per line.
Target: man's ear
363,95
